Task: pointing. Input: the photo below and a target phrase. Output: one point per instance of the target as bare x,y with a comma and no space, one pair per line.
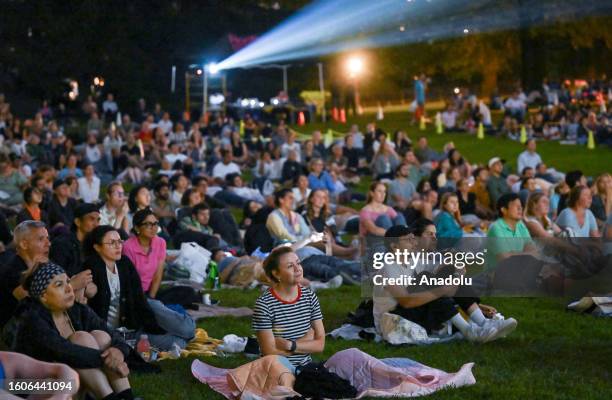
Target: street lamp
354,68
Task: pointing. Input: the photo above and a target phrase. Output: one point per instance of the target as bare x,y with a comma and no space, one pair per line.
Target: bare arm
312,342
373,229
157,278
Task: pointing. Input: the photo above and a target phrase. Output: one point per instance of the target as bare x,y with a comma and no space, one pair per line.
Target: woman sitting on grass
287,317
120,300
376,217
57,329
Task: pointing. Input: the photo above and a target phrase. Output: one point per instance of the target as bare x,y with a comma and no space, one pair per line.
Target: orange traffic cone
301,119
335,113
343,115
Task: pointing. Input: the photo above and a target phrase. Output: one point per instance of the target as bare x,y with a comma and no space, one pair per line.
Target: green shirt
497,186
502,239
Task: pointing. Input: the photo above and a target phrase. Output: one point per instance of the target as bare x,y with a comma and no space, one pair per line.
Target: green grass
562,157
553,354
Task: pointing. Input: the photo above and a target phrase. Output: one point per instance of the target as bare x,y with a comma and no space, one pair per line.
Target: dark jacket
10,279
38,337
66,252
24,215
61,214
134,310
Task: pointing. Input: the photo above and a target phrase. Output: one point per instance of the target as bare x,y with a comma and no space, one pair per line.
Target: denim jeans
180,328
386,222
325,267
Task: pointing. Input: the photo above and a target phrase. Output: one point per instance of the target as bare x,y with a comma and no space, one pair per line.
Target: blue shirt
567,219
323,181
419,91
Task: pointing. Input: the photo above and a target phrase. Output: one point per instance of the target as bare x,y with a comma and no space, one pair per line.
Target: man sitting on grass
432,307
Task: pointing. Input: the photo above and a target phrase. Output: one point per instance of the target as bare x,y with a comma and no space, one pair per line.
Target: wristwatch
293,346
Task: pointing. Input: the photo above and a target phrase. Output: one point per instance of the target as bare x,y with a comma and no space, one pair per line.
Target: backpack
315,381
363,316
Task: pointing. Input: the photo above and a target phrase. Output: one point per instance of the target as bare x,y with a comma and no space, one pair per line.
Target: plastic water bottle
144,348
214,282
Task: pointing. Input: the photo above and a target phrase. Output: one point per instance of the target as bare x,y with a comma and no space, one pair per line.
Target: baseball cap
85,208
493,161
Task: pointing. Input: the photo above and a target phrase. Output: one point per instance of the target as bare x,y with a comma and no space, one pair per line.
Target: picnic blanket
206,311
392,377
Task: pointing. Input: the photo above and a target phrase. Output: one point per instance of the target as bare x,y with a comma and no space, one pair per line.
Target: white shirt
178,137
165,125
115,291
172,158
286,148
277,169
297,195
221,170
89,192
514,104
110,106
376,145
527,159
249,194
93,154
449,119
484,110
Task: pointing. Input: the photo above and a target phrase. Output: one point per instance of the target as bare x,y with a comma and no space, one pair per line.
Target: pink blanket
395,377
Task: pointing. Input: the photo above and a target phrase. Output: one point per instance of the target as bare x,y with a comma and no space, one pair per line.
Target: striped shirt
289,320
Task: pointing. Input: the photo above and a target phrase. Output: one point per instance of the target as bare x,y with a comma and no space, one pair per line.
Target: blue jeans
323,267
229,198
386,222
180,328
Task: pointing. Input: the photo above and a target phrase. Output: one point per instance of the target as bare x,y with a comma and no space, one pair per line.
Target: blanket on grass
391,377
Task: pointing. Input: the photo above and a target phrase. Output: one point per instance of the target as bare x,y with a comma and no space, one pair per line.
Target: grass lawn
552,354
562,157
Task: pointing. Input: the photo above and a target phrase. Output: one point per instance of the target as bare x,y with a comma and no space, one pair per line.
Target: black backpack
314,381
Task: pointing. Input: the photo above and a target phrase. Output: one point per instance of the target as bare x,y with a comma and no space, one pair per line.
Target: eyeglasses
150,224
114,243
119,194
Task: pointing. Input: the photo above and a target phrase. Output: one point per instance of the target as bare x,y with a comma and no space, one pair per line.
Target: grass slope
552,355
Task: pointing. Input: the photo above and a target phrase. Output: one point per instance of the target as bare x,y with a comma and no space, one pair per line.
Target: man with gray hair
32,244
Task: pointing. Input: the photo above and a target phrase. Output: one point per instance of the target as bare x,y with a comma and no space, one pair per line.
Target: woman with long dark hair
120,300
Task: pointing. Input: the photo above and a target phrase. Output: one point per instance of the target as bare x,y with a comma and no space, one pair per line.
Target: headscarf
42,276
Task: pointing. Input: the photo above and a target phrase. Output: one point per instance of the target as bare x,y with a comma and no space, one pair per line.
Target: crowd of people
93,222
558,111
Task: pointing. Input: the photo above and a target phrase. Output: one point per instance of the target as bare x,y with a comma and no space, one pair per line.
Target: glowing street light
354,66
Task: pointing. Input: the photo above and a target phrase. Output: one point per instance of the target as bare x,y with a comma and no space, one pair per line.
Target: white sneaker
335,282
504,326
481,334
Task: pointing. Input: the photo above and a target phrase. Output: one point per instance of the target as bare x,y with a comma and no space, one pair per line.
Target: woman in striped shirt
287,317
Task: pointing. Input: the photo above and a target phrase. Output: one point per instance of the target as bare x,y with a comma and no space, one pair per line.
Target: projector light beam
331,26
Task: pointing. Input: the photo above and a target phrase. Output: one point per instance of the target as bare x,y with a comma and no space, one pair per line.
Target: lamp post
354,67
322,89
